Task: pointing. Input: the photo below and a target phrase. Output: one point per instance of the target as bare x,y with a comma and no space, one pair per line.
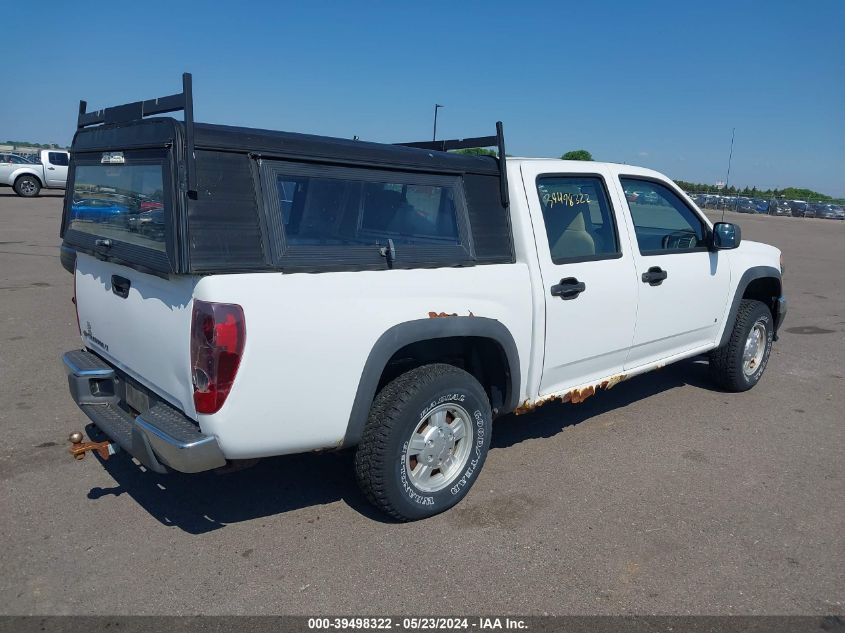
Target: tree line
37,145
791,193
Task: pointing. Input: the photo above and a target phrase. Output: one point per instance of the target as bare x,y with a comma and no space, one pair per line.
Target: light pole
437,106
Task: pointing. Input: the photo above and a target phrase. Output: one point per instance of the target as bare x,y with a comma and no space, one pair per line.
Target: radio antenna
728,177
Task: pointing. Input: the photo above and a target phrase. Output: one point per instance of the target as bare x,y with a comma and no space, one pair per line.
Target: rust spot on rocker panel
440,315
575,396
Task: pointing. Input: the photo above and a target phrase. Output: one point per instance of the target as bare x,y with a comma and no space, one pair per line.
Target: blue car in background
98,210
761,206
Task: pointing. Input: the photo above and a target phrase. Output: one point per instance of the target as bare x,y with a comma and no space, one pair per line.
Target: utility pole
437,106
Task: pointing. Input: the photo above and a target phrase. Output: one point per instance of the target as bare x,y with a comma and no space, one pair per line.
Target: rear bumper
160,437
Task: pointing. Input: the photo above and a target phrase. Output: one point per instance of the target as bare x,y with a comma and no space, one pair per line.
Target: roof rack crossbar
139,109
497,141
458,143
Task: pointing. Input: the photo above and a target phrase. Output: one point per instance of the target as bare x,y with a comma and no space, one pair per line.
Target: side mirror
726,236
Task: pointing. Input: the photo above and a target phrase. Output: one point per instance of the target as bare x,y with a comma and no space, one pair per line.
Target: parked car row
774,206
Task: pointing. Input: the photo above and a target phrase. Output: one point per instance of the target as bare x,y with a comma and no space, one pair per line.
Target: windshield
120,202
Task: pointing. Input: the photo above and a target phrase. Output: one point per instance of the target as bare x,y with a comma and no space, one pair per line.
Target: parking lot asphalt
664,495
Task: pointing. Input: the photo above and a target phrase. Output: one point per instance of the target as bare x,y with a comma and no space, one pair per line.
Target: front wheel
27,186
425,442
739,364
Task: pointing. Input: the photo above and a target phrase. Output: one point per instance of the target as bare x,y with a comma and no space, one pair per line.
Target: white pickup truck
28,175
295,293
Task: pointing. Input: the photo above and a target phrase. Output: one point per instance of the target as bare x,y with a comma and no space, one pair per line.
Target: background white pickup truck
315,299
28,175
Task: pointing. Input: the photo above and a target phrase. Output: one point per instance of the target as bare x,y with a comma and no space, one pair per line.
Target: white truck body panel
294,391
684,312
147,335
585,339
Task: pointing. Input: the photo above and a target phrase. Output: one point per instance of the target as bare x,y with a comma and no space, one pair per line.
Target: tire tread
726,361
372,461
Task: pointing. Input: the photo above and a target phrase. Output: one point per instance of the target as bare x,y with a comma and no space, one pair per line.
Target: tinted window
57,158
579,221
19,160
120,202
662,221
346,211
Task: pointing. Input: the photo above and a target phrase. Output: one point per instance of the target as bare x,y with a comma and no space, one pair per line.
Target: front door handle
654,276
568,288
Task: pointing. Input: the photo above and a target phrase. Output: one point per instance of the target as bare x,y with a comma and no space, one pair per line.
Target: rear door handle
120,286
654,276
568,288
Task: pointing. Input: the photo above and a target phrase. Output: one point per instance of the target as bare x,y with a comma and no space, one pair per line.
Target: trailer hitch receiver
78,448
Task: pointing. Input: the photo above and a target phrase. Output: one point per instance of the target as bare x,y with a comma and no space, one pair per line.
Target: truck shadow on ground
206,502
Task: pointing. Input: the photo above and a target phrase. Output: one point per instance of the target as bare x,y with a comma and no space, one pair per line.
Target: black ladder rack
139,109
497,141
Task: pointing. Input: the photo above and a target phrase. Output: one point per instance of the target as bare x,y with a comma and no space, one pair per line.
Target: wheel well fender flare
417,331
20,174
755,272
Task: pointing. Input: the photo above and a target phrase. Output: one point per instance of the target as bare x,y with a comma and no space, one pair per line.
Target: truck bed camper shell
217,209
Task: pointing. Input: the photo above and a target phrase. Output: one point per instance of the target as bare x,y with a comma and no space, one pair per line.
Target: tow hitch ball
78,448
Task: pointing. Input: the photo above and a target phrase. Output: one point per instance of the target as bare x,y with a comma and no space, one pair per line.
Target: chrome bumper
160,437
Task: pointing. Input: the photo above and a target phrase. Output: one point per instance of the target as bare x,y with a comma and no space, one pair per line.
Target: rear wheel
425,442
27,186
739,365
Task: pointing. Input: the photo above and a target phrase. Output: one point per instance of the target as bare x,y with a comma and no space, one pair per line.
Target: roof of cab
582,166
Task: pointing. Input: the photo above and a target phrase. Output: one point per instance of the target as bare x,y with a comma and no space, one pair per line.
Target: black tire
27,186
383,458
727,362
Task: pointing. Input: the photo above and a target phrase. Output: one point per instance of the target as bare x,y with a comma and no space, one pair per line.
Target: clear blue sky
658,84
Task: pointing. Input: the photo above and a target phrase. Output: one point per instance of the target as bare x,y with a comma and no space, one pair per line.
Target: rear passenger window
337,217
662,221
58,158
578,218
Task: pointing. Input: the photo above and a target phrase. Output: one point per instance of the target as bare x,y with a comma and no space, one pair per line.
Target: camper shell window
342,217
119,205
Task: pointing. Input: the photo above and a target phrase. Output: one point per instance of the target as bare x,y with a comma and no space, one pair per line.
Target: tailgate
140,323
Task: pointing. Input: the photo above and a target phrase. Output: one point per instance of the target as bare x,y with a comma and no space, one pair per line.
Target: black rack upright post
139,109
190,159
503,172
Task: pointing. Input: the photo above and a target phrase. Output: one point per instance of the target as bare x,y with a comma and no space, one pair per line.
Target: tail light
218,333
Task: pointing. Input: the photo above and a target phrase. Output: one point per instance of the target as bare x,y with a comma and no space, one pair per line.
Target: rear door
683,286
55,168
588,275
132,311
6,168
